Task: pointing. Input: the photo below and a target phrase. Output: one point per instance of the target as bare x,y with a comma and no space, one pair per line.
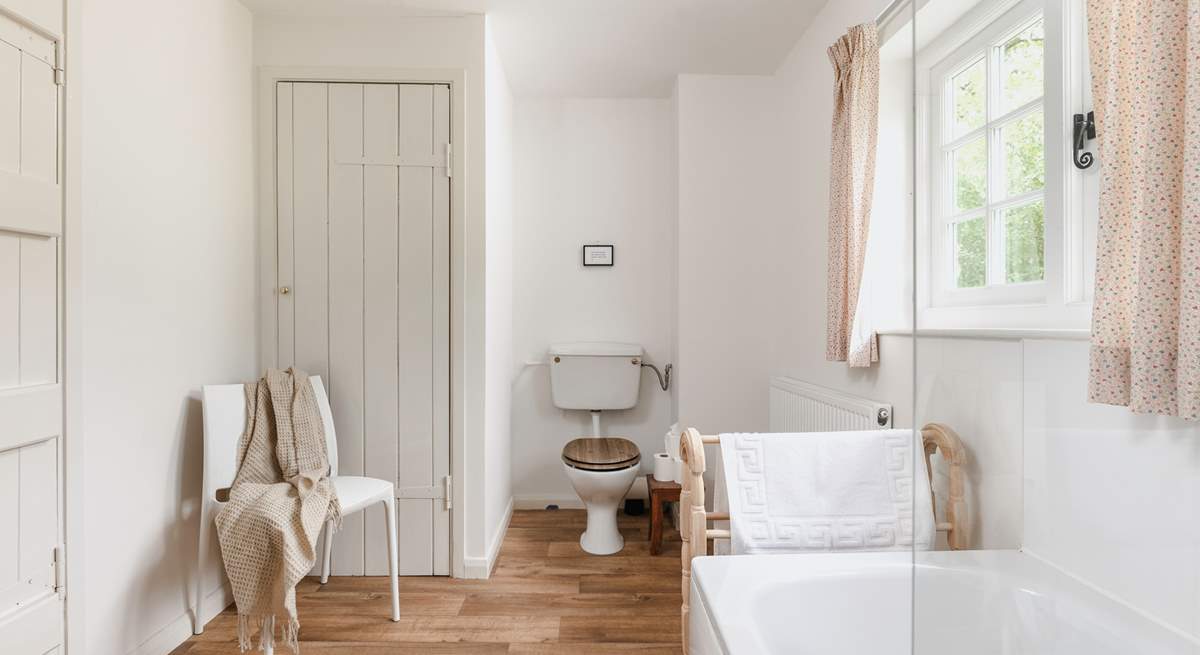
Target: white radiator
798,406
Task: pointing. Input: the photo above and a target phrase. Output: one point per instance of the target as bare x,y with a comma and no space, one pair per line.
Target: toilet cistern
595,375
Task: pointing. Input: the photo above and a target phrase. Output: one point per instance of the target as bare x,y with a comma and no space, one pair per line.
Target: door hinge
435,491
57,574
59,71
449,161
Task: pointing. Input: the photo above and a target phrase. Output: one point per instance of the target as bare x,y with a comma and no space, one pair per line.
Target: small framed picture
597,255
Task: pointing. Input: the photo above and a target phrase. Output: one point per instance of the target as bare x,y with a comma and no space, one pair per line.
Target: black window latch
1085,130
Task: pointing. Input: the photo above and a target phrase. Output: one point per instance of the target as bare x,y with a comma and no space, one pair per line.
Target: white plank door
31,609
363,201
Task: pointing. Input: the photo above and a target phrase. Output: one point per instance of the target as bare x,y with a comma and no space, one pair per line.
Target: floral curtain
1145,59
855,59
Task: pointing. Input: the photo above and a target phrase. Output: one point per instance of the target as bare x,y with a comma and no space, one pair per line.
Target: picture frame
598,255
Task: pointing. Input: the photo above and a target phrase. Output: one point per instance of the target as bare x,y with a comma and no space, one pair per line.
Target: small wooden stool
660,492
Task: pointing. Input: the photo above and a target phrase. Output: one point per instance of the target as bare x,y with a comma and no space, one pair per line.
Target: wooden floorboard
545,596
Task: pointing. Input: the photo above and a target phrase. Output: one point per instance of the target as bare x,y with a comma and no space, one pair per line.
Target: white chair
224,422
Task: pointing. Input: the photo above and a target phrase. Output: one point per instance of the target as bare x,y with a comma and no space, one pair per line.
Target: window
1002,199
990,204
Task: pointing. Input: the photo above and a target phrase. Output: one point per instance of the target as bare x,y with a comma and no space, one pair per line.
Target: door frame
73,488
268,77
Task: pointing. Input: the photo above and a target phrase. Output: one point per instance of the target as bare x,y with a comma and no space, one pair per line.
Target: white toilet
596,377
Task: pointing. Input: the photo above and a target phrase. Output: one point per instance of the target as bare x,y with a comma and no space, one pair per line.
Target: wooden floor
545,596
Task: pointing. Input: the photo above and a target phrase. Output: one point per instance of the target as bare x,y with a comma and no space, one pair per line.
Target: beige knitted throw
280,499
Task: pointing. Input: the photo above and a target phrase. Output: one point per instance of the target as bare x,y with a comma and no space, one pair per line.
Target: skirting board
480,568
180,630
541,501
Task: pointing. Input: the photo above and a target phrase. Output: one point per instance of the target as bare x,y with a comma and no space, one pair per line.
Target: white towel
823,491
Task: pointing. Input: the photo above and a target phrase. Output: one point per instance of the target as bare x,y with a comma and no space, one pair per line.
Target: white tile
974,386
1110,496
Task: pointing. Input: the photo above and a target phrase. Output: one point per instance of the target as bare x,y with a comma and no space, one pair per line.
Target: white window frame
1062,299
984,47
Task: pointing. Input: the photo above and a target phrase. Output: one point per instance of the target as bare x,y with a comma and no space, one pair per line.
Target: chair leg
389,505
327,555
201,560
268,627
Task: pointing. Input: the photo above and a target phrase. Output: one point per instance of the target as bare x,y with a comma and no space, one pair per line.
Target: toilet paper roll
677,462
664,467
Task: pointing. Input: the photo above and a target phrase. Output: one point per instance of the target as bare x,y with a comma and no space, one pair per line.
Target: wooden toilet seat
601,454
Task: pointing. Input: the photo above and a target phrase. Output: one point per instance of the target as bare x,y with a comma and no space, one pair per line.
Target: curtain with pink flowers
855,59
1145,60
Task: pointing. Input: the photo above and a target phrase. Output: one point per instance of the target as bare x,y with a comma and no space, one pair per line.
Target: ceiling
606,48
367,8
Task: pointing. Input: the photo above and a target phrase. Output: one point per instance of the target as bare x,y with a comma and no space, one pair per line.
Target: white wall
728,218
446,43
499,298
168,273
753,201
886,289
589,171
675,256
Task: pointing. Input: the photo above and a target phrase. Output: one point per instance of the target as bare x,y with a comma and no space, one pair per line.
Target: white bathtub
970,602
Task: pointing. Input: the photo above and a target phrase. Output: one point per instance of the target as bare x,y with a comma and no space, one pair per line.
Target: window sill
1053,320
1008,334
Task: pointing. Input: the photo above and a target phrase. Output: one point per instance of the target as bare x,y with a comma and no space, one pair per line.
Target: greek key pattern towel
280,499
826,491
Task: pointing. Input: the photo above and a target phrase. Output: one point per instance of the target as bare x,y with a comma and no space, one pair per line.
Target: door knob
283,291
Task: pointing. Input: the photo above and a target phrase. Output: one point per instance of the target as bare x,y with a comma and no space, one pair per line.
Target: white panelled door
31,607
363,228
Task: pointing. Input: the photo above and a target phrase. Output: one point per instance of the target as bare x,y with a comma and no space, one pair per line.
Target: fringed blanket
280,499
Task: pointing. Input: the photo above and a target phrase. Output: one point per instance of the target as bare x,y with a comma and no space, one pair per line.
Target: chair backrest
326,418
224,414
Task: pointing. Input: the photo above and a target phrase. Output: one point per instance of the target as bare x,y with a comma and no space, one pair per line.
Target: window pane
1025,243
1021,67
969,164
970,253
969,93
1024,155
